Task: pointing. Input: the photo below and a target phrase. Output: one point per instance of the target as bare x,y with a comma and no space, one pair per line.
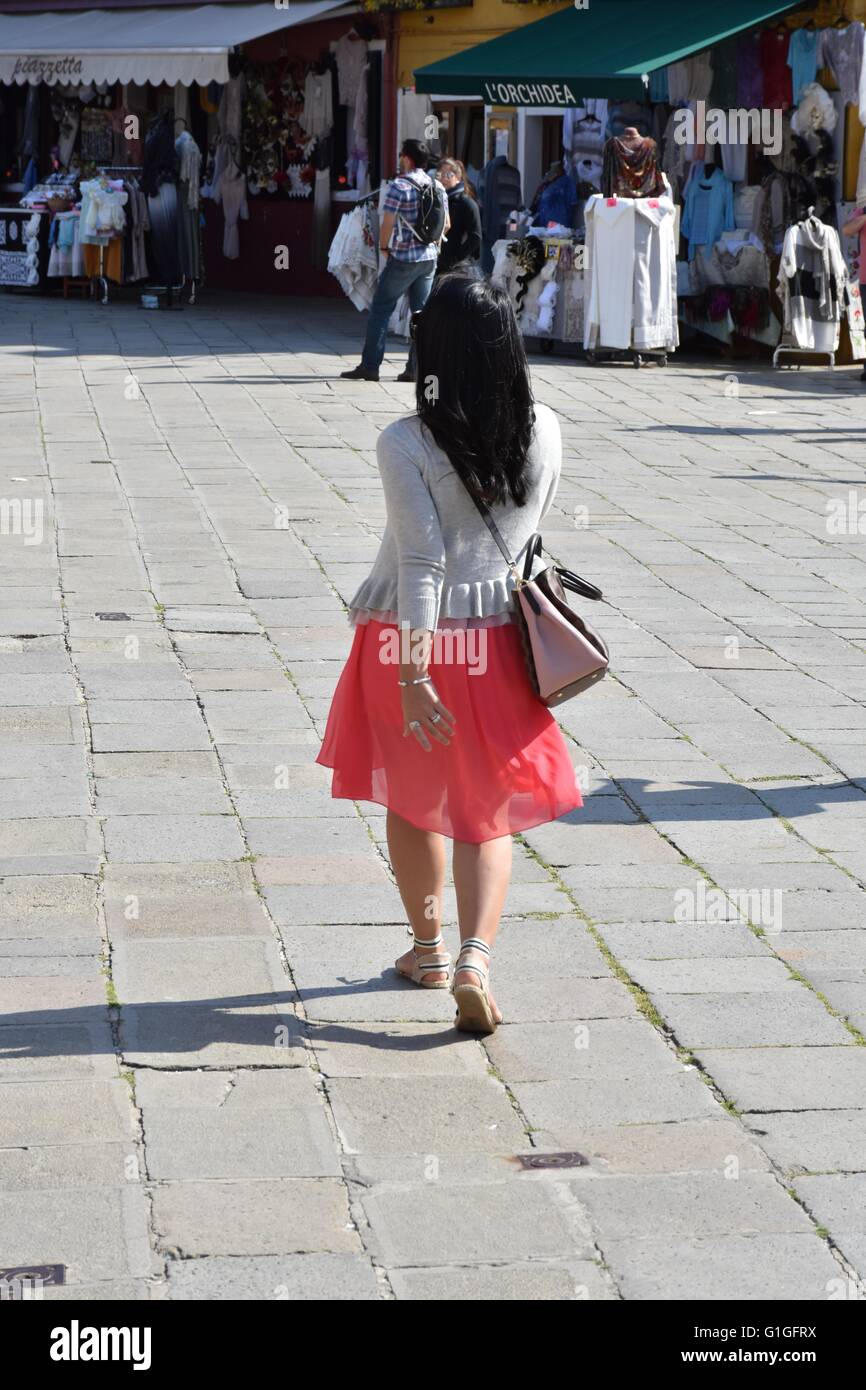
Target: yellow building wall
425,36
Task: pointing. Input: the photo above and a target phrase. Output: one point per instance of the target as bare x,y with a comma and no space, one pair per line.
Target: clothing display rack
630,307
813,288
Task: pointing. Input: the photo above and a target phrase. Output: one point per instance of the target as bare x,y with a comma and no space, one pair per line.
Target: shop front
659,172
162,148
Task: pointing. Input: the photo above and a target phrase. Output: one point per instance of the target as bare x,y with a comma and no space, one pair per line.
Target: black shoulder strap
494,531
568,578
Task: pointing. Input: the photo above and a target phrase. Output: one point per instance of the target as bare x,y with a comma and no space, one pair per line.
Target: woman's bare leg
482,874
418,860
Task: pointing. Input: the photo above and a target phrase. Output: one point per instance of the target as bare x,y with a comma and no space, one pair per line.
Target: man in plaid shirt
409,264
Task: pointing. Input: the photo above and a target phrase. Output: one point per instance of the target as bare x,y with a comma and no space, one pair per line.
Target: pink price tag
611,202
653,202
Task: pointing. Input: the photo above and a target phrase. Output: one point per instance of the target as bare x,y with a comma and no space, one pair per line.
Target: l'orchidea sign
529,94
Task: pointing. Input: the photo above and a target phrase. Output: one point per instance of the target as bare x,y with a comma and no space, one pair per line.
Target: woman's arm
414,523
852,227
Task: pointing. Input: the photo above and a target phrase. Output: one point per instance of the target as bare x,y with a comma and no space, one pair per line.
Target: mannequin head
631,136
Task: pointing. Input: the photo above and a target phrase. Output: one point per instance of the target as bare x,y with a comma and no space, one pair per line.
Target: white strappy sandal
428,963
474,1011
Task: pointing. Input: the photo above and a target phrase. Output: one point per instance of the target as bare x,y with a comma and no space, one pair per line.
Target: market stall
201,142
752,113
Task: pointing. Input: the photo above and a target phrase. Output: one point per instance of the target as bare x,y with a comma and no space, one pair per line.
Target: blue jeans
414,278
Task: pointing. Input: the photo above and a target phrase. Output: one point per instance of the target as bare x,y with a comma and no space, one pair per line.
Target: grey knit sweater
437,558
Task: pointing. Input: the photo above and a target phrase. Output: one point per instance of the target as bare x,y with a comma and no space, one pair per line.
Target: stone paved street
213,1085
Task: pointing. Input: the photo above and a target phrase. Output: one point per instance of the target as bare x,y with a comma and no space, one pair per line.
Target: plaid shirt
402,198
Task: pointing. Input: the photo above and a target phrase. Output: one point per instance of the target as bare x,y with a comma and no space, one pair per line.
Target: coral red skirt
506,769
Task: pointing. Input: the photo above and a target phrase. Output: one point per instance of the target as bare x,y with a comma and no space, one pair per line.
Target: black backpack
430,222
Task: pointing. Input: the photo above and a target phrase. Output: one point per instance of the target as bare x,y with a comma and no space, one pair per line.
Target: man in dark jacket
461,249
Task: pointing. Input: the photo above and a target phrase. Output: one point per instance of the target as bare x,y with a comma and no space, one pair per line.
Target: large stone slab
723,1269
99,1234
775,1018
290,1278
383,1114
210,898
257,1124
172,839
437,1223
790,1078
283,1217
564,1108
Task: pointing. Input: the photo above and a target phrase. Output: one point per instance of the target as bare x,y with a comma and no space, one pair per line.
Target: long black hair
473,392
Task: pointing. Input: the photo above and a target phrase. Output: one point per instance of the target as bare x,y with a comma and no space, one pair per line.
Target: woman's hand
423,709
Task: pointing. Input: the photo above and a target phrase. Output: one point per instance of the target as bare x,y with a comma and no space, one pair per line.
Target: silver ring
414,724
436,717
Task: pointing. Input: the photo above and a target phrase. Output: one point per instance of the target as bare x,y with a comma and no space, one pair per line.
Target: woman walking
461,249
434,716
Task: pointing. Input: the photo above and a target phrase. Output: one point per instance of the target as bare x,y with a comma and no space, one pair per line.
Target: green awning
601,51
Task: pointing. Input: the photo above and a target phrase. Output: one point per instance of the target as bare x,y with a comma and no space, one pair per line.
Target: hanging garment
675,162
708,210
631,173
66,256
231,194
351,56
499,192
139,223
588,170
610,254
231,108
414,110
733,264
162,212
803,59
67,134
598,107
723,93
557,202
778,91
735,158
358,161
658,85
353,259
317,117
691,79
750,77
816,111
102,211
160,159
745,198
321,218
812,285
772,212
29,146
655,274
841,50
188,240
189,167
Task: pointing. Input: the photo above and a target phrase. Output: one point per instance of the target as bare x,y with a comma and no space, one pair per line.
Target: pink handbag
564,654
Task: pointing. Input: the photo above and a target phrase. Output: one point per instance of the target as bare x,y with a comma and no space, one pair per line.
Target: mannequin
632,137
631,166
